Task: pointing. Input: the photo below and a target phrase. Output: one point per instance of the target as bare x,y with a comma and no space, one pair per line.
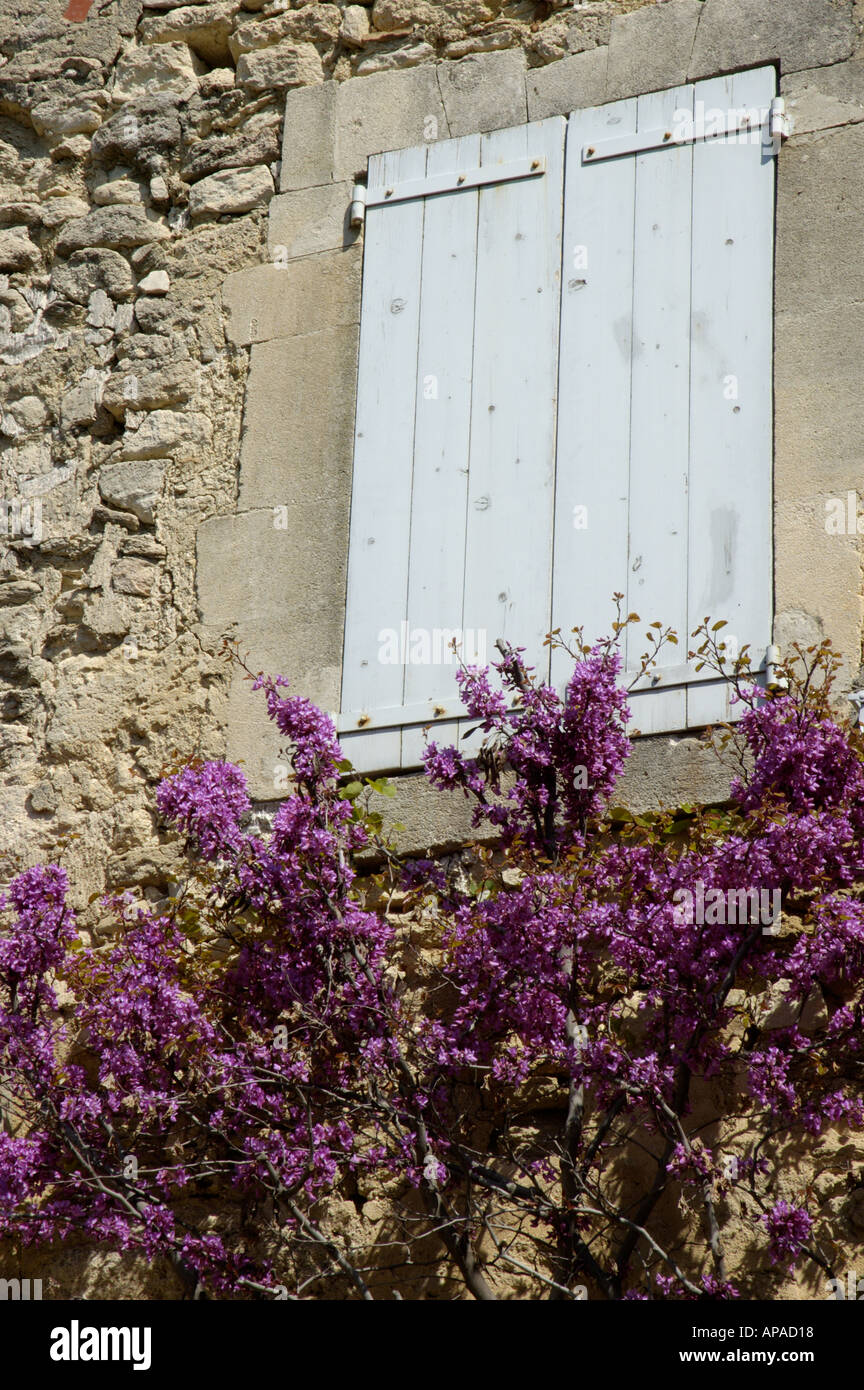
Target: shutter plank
660,385
730,572
443,429
709,703
658,711
511,466
384,441
594,382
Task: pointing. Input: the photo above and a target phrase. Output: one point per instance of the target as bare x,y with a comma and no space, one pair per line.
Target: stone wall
139,149
141,146
150,193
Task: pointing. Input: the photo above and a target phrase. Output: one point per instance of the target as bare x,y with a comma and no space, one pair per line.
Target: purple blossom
789,1228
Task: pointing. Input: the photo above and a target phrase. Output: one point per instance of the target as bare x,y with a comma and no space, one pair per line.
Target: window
564,391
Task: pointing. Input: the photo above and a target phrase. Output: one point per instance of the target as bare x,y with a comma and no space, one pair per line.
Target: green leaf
382,786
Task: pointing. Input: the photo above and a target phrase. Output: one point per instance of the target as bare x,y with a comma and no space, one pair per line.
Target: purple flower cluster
789,1230
299,1054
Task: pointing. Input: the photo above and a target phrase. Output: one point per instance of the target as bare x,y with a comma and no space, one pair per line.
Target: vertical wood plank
660,383
383,450
436,566
708,702
511,466
730,571
591,489
658,711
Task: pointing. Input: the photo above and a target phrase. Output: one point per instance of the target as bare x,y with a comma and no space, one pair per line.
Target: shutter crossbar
735,123
425,712
454,182
451,707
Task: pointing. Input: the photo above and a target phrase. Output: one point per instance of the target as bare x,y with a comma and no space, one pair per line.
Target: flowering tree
551,1087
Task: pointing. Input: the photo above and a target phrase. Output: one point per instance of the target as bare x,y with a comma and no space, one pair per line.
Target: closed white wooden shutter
454,462
664,429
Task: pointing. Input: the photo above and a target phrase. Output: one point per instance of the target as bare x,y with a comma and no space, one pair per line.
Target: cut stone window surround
289,591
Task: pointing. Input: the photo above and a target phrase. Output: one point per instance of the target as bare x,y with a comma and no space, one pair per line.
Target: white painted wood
666,295
383,450
658,712
681,464
730,571
442,434
682,674
415,738
375,752
512,456
660,386
671,133
459,178
594,384
709,703
508,554
461,338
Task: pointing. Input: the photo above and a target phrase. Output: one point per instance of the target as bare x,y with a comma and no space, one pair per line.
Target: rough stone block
279,66
823,97
484,92
407,57
205,27
80,406
568,85
132,487
149,390
309,137
17,251
180,434
279,302
169,68
388,111
284,462
93,269
310,220
799,33
650,48
231,191
114,227
56,211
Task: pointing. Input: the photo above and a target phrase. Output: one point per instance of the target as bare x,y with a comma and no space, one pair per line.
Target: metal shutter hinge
779,123
772,661
357,214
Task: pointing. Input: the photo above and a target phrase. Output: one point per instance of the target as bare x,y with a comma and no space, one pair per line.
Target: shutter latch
779,123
